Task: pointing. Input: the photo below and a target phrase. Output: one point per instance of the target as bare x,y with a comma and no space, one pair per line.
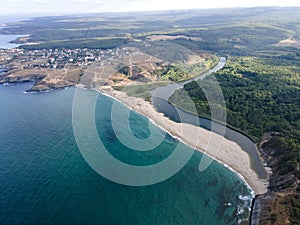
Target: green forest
261,95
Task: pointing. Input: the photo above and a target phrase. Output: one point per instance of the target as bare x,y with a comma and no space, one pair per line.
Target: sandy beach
229,153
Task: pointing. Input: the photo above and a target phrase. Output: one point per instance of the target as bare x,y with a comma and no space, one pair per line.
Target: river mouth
243,141
160,98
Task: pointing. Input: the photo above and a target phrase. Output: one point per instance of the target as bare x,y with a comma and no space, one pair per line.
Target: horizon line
33,14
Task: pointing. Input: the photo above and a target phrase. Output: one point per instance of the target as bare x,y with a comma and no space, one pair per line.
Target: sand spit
230,154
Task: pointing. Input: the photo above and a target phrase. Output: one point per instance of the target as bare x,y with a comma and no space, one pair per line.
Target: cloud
100,1
42,1
87,6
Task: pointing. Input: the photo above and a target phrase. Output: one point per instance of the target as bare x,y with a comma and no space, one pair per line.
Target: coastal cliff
21,78
281,204
43,80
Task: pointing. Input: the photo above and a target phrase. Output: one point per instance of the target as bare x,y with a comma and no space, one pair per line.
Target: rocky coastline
276,205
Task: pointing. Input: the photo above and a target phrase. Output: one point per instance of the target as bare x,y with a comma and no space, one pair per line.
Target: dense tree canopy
261,95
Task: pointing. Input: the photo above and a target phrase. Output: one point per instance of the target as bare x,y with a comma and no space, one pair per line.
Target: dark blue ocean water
44,178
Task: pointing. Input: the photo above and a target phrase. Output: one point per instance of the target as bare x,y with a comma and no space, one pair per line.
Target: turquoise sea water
45,180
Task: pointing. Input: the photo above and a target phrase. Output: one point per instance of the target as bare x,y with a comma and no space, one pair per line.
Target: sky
91,6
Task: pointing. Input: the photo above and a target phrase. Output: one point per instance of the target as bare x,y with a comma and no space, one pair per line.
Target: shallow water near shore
45,180
5,41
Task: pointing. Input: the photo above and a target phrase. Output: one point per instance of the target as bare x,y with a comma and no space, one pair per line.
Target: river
160,98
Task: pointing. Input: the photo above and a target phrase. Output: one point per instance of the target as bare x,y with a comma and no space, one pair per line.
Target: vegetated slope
262,96
237,31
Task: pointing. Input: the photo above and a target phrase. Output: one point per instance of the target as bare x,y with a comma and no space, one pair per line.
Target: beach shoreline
230,154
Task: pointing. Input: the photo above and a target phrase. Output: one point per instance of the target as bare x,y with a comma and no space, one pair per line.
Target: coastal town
54,58
122,66
56,68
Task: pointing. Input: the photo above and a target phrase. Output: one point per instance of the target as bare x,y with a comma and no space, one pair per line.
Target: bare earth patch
289,42
170,37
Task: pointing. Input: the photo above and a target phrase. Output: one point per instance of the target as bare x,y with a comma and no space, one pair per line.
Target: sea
6,39
45,178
